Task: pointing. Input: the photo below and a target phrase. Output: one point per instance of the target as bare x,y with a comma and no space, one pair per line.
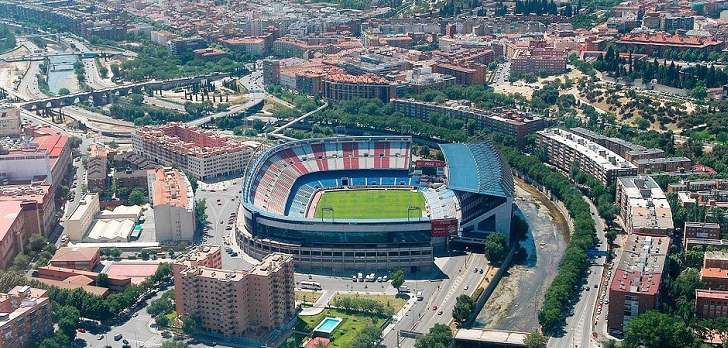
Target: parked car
117,337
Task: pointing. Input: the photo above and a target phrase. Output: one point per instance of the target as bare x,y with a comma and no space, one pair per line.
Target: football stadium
362,203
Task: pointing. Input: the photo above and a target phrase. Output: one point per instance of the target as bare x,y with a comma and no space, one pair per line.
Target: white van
419,296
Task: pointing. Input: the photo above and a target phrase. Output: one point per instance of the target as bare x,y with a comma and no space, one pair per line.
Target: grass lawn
370,204
344,333
394,302
310,296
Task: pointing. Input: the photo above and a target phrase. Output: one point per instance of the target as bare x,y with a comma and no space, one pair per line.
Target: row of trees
667,74
157,62
439,336
366,305
574,263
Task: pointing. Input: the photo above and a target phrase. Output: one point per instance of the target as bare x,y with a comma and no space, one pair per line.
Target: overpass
487,338
104,96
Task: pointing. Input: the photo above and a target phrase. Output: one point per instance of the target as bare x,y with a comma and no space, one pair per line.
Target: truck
404,289
371,278
361,277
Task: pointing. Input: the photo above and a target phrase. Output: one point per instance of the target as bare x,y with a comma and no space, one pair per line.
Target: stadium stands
273,187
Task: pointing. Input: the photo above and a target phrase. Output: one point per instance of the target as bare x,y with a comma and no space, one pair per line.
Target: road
28,87
437,292
579,327
502,75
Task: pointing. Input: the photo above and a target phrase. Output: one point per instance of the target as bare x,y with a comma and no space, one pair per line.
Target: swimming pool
328,325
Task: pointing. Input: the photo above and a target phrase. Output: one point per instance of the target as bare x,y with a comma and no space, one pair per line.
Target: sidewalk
399,315
320,304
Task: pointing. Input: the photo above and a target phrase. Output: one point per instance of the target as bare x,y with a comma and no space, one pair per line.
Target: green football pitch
369,204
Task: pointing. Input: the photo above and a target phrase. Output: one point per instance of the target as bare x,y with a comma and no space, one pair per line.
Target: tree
68,318
102,280
536,340
137,197
113,144
464,307
37,241
21,261
495,247
174,344
190,324
64,91
161,320
258,125
75,142
397,279
425,151
653,329
699,92
439,336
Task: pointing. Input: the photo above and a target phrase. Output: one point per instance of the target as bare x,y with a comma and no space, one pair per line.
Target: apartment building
253,46
465,73
565,148
637,278
202,153
240,305
171,196
644,207
131,179
39,193
341,87
663,165
697,232
96,169
25,317
18,221
9,121
534,60
698,185
510,122
714,273
711,304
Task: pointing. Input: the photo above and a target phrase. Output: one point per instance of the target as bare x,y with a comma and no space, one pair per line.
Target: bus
310,285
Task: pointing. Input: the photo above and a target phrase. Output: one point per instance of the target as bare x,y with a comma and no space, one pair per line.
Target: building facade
637,278
83,216
18,221
711,304
171,196
9,121
25,317
341,87
202,153
245,305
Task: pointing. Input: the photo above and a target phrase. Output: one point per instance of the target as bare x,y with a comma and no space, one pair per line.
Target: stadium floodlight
414,207
331,209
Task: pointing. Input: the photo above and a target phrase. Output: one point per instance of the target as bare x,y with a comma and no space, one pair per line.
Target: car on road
80,329
434,308
353,278
439,313
117,337
125,341
234,254
100,337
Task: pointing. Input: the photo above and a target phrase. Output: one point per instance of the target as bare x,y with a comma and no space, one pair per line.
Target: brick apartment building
96,178
565,148
644,207
696,232
662,165
25,317
711,304
341,87
714,273
18,221
235,304
635,286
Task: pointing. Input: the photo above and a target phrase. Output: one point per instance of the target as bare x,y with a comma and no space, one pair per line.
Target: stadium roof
477,168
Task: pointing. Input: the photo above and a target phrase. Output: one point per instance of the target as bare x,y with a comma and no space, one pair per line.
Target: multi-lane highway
580,325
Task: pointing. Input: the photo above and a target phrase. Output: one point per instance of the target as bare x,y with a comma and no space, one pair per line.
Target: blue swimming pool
328,325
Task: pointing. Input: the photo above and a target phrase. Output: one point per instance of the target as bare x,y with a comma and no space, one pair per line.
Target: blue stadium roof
478,168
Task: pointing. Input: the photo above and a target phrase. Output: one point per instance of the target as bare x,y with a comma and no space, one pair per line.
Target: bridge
43,56
104,96
487,338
